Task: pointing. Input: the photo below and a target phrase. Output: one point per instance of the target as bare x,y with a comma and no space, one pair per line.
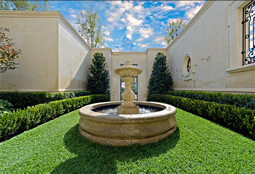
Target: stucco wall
74,58
35,34
53,55
212,40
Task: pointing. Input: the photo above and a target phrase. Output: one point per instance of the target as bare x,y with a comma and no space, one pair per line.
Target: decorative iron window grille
189,65
248,34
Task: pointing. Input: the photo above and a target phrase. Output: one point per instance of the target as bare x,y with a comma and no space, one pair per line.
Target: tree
90,28
160,80
7,53
26,5
173,29
98,79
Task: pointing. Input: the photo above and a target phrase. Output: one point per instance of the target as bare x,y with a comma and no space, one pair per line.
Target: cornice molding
192,21
155,49
30,14
116,53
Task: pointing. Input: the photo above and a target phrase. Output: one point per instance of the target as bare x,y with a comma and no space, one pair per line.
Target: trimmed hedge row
239,100
241,120
34,98
12,123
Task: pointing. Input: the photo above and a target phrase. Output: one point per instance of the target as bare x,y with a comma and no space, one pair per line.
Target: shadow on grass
96,158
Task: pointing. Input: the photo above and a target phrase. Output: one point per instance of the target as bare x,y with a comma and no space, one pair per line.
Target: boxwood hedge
24,99
240,119
12,123
239,100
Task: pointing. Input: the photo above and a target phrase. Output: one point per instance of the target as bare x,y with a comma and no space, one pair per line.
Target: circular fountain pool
107,128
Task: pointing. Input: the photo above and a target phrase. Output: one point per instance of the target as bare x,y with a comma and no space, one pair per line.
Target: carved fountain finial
128,74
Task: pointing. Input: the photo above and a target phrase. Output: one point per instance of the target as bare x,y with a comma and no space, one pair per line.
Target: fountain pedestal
127,106
128,73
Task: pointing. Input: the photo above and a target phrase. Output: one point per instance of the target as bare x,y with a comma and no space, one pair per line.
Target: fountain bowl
126,129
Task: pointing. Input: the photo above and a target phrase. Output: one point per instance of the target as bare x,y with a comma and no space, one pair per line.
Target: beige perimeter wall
53,55
213,41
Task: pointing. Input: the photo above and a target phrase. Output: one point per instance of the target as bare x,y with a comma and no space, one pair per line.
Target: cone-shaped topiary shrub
98,79
160,81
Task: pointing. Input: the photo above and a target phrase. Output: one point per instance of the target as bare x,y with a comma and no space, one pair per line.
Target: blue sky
132,25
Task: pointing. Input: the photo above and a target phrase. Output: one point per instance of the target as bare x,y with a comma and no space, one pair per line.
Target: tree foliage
26,5
90,28
7,53
173,29
160,80
98,79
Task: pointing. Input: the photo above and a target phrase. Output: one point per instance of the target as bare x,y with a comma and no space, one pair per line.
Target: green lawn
197,146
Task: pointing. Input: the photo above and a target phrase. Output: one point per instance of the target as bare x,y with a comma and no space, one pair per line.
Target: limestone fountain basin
126,129
128,71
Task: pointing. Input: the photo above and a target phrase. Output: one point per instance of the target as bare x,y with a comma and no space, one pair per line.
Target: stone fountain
128,74
128,126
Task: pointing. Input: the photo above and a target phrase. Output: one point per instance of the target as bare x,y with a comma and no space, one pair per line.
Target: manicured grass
197,146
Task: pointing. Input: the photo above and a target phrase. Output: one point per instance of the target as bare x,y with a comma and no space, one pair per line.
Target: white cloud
132,20
159,39
100,6
129,36
70,10
109,39
117,9
166,7
126,15
192,12
187,3
164,43
129,32
143,45
171,20
146,32
117,48
74,16
107,33
140,40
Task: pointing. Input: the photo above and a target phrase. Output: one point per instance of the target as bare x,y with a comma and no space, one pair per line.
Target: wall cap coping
155,49
192,22
65,21
42,14
128,53
229,90
30,14
101,49
241,69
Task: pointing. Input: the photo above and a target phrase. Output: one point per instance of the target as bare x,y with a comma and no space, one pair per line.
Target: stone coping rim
87,113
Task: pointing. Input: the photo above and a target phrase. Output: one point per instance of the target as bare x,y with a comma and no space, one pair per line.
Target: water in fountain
113,109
